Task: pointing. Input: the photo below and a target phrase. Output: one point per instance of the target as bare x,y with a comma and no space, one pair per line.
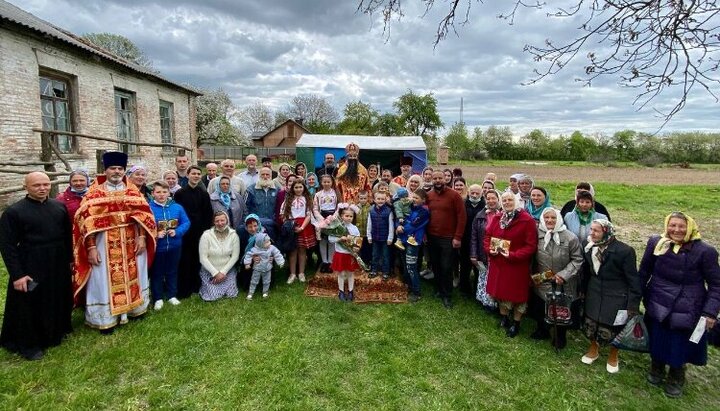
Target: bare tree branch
653,46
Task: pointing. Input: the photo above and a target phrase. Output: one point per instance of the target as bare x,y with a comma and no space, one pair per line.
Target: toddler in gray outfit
267,254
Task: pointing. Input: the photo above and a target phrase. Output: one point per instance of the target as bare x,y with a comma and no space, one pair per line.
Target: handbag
634,336
558,306
287,240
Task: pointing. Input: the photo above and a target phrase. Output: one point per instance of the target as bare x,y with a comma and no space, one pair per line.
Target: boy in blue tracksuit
414,228
380,230
172,223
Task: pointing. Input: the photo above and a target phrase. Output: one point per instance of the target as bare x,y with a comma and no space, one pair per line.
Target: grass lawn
296,352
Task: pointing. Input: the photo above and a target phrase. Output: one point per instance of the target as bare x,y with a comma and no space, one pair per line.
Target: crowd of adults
116,245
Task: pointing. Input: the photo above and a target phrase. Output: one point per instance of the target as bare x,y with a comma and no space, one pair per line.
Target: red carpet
367,290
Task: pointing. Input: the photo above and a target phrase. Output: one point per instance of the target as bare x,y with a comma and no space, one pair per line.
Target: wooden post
46,157
99,169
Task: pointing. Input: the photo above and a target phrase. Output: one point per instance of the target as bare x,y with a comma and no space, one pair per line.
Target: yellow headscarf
665,242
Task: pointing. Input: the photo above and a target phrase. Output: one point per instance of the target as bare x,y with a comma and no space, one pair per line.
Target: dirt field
669,176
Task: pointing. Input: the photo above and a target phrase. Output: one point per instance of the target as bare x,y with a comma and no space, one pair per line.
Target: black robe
196,203
36,240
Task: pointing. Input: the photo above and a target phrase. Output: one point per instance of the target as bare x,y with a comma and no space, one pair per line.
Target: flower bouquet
333,226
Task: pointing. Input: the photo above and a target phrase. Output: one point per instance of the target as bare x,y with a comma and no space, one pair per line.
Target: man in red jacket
445,232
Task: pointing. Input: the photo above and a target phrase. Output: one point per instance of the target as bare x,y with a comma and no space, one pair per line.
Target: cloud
272,50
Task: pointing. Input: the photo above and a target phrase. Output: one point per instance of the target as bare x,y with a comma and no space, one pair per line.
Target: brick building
53,80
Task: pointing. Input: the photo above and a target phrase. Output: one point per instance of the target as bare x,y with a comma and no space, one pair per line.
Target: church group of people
117,246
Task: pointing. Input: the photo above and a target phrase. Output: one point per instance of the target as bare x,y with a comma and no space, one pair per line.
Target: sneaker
32,354
411,240
413,298
265,295
174,301
427,274
301,277
291,279
350,296
158,305
385,276
372,274
341,296
249,297
123,319
399,244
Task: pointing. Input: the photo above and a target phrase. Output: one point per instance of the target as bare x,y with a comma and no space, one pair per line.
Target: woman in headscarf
681,281
300,170
510,241
312,183
73,195
585,186
427,184
225,199
284,171
513,183
578,221
525,185
219,251
171,179
539,201
414,182
138,176
559,253
478,256
611,285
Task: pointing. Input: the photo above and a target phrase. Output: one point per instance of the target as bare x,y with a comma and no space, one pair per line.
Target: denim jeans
412,278
380,257
163,274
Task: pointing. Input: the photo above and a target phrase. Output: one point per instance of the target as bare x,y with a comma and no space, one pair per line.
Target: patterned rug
367,290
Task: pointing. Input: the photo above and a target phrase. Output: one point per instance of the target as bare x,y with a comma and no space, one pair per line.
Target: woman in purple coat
681,281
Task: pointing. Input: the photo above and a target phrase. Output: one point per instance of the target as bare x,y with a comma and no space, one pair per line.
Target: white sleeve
391,227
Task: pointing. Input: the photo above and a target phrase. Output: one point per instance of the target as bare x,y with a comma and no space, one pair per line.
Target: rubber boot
675,382
656,375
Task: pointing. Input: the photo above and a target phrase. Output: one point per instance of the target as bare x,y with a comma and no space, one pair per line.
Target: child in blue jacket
414,228
172,223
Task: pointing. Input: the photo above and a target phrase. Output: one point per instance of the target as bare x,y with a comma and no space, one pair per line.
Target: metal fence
219,153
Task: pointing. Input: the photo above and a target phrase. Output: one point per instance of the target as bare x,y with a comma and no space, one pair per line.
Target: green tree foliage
389,124
256,117
457,141
623,143
359,119
213,120
418,114
498,143
120,46
579,147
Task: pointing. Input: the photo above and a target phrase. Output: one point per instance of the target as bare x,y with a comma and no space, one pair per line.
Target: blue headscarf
536,212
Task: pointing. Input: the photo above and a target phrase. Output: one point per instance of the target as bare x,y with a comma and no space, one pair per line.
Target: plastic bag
558,307
634,336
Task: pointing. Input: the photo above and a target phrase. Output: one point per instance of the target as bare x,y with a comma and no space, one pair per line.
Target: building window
125,117
55,108
166,124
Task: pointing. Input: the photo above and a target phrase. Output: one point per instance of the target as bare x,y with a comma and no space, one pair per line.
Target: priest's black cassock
36,240
196,202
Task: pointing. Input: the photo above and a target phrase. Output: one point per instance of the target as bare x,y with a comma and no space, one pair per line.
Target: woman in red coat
510,242
73,195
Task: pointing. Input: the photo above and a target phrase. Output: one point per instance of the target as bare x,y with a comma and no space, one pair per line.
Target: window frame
66,144
170,107
129,114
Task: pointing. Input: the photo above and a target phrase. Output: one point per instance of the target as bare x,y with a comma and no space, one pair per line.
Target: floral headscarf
551,235
507,216
666,242
608,234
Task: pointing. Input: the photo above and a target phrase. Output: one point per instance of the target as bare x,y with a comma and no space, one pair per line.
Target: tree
457,141
121,46
579,147
498,143
656,47
214,111
317,113
418,114
624,144
389,124
359,119
256,117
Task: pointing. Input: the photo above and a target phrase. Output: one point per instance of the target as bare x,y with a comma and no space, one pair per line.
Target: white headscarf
552,235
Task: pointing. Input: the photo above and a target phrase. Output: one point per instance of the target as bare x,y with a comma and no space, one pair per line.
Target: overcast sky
272,50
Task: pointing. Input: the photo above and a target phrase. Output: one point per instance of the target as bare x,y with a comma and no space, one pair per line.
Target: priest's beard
351,173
